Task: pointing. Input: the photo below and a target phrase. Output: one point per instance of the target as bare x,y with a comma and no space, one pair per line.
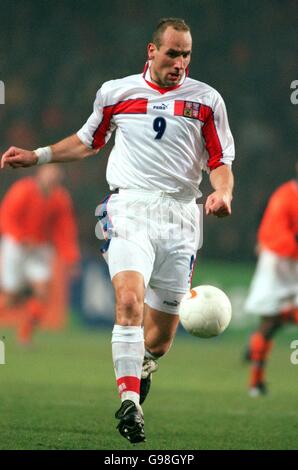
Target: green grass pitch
62,395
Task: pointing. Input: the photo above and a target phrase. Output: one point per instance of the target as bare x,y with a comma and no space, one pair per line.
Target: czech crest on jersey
191,109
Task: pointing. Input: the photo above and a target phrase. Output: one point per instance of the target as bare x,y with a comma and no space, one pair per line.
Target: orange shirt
29,216
278,231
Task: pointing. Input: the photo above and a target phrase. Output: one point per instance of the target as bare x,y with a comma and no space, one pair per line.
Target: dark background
54,55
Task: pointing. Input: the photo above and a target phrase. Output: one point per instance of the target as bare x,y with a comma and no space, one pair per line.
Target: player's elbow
86,152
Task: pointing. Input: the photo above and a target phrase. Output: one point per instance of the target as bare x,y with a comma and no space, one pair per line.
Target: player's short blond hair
177,23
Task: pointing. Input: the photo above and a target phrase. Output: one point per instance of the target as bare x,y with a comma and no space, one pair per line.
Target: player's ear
151,48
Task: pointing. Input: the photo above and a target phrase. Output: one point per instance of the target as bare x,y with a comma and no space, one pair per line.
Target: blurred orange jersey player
274,289
279,227
36,220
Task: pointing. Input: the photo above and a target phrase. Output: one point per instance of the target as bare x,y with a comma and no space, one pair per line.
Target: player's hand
16,157
219,203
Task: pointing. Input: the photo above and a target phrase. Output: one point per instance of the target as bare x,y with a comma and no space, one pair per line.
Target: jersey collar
148,80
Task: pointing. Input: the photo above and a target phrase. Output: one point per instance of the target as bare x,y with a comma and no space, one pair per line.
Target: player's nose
179,64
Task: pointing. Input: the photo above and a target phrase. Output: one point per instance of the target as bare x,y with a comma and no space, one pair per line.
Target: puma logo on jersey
160,106
175,303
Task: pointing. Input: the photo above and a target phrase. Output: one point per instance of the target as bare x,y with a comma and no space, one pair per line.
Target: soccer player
274,289
168,128
36,219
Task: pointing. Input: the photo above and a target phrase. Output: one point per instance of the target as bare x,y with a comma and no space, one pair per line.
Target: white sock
128,354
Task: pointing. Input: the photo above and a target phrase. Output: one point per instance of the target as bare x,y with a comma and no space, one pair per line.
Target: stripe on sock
128,384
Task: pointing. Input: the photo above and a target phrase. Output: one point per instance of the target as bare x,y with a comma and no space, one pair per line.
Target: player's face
171,59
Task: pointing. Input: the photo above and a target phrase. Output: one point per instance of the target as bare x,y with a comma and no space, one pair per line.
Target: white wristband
44,155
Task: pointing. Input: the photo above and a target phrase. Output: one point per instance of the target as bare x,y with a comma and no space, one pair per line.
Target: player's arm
219,202
87,141
67,150
220,147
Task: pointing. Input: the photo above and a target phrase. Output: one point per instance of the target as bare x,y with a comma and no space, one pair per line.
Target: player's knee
10,300
129,306
270,325
41,291
42,297
160,350
159,347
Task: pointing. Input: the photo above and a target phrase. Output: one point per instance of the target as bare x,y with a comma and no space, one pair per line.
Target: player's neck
157,82
151,79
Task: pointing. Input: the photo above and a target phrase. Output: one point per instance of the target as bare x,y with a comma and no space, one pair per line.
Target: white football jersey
164,137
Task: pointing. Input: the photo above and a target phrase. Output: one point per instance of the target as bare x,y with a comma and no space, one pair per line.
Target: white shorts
157,235
274,285
20,264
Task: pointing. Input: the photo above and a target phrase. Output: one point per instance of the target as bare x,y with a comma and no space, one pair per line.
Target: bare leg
128,352
35,307
159,330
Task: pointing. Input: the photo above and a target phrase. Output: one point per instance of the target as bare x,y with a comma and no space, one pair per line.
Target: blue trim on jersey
105,247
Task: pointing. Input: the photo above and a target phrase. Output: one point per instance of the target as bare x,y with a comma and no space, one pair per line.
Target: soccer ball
205,311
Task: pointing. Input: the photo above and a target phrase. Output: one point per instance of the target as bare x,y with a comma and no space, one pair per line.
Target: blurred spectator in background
274,290
36,221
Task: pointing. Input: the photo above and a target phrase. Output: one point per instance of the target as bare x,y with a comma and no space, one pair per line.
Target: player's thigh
38,266
173,272
41,289
125,255
130,266
270,324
